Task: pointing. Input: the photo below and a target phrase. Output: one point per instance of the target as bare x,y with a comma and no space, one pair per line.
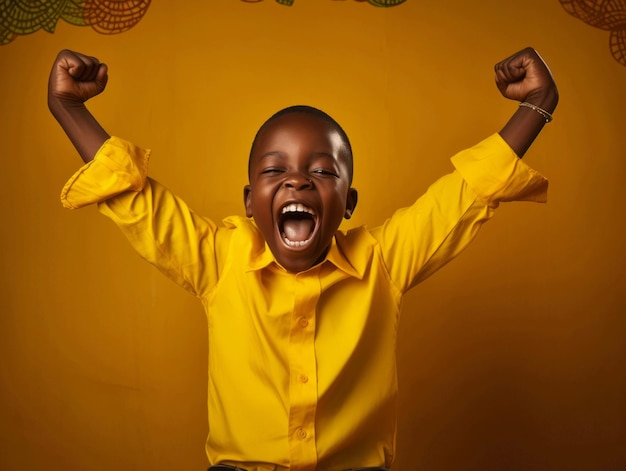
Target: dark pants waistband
224,467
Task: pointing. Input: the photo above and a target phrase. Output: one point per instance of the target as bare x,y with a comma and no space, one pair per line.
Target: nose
298,181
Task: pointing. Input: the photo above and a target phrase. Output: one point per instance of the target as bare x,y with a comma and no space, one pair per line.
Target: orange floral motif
114,16
609,15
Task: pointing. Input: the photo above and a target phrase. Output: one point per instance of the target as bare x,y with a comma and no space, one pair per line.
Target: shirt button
304,322
301,433
304,379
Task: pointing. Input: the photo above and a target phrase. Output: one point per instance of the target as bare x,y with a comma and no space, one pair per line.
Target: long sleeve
418,240
118,167
158,224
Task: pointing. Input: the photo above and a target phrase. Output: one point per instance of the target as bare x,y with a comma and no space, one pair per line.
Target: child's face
299,188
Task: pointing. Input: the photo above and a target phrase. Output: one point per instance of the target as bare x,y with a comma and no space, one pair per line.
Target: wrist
58,105
545,99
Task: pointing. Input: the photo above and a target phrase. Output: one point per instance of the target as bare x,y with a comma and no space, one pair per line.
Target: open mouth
297,224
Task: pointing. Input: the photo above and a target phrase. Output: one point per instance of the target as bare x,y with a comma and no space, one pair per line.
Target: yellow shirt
302,369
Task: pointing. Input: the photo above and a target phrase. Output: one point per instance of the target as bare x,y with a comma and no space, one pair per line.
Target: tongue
298,229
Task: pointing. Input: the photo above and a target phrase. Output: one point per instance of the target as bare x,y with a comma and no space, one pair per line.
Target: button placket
302,370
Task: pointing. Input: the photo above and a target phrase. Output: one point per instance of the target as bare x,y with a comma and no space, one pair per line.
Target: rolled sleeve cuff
495,173
118,166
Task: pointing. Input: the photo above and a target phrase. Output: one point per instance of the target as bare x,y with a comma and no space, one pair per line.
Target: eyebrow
272,153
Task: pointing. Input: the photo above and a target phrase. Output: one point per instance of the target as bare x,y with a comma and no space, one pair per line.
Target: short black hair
317,113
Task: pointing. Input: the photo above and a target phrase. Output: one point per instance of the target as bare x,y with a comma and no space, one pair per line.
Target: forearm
83,130
526,124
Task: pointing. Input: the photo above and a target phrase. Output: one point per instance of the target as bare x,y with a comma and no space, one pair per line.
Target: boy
302,318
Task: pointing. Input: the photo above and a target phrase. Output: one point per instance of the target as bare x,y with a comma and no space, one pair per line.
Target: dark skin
74,79
525,77
299,161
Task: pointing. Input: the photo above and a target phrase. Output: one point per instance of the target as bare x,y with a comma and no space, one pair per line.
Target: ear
351,200
247,201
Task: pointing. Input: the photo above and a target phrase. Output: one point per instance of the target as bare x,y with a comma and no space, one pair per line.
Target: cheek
260,205
336,202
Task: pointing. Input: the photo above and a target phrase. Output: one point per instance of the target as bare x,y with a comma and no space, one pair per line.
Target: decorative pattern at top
114,16
19,17
609,15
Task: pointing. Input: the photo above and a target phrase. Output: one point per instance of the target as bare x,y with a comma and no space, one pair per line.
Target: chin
294,261
296,266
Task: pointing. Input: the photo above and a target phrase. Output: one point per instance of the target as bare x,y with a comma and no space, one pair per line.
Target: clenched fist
76,77
524,76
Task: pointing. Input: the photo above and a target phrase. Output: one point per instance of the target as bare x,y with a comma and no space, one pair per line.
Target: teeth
295,243
296,208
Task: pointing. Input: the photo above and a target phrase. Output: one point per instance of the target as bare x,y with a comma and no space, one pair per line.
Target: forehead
298,132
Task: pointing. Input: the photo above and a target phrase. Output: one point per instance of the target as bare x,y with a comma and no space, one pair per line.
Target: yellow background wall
511,358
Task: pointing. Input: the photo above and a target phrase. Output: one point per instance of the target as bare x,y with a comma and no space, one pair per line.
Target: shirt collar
337,257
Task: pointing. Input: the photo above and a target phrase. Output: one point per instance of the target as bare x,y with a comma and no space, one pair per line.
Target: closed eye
270,171
325,172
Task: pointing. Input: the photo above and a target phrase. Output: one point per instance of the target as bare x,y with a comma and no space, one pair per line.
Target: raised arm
525,77
74,79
